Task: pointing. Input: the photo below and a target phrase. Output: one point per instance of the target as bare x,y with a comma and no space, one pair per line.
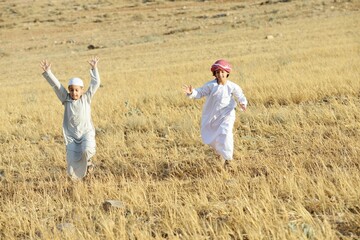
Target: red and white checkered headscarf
221,64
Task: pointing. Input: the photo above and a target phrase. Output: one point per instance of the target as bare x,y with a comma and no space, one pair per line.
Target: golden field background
296,169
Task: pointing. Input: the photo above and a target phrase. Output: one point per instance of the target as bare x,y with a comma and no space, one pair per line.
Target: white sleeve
193,94
200,92
95,82
59,89
239,95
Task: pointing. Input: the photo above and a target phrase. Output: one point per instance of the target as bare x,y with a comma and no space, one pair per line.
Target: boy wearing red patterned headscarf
218,115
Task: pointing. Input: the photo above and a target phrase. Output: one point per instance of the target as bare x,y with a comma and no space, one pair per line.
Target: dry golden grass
296,169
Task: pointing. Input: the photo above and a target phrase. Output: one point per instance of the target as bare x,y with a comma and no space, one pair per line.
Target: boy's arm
95,77
95,81
240,97
198,92
56,85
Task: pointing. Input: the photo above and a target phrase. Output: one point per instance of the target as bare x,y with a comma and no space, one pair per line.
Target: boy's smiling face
221,75
75,92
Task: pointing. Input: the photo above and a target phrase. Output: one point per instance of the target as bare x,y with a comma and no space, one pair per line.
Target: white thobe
218,115
78,128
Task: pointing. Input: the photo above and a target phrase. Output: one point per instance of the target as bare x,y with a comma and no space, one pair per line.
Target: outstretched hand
93,62
45,65
187,89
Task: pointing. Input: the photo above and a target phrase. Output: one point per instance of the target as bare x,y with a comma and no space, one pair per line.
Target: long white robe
218,115
78,128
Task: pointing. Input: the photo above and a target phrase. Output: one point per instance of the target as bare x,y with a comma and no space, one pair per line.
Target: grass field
296,168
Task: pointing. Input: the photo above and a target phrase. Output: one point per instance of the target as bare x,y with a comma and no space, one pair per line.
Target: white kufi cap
76,81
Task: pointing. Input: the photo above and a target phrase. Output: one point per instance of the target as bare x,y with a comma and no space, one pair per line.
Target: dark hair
226,76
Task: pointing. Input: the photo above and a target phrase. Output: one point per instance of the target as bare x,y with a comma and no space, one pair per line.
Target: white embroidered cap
76,81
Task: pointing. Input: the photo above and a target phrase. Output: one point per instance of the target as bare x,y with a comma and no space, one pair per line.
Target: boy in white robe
78,128
218,115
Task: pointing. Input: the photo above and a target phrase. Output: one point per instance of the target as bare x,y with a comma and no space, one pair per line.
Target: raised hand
93,62
45,65
187,89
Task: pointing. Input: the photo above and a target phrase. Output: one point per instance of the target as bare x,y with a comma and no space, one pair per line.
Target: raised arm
60,91
95,77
